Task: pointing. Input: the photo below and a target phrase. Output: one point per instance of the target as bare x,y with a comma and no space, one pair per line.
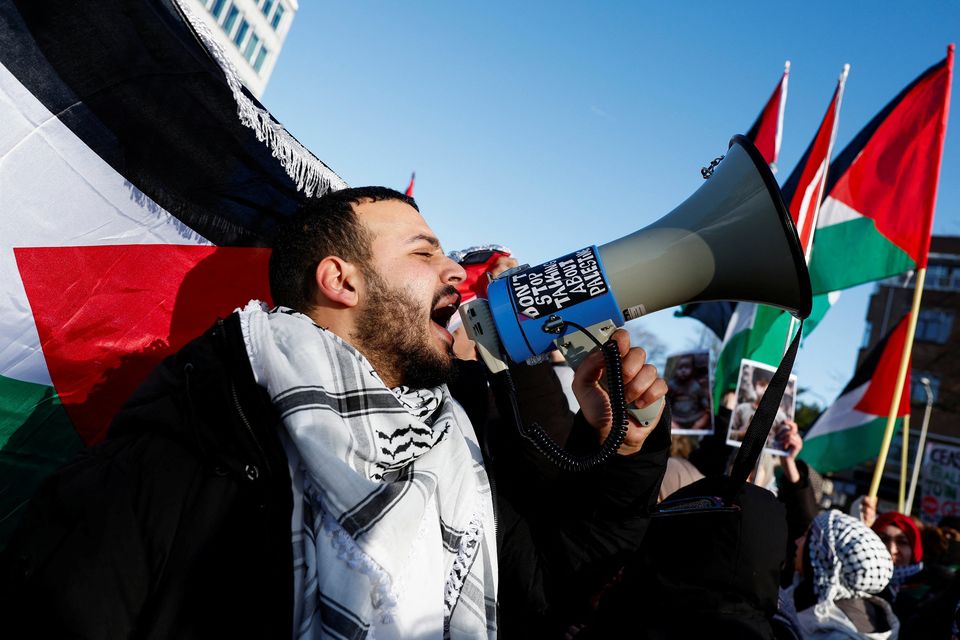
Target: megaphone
733,239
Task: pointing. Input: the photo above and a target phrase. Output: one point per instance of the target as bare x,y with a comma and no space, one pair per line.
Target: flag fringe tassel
312,176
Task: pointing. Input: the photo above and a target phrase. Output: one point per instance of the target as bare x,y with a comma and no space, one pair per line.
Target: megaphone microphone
732,239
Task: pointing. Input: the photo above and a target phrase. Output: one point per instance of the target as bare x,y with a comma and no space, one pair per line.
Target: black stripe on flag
846,157
865,371
134,83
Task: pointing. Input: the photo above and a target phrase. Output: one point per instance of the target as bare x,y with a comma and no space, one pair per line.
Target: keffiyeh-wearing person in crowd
841,566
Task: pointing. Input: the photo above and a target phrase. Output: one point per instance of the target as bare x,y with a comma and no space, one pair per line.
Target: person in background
840,567
795,491
680,471
914,582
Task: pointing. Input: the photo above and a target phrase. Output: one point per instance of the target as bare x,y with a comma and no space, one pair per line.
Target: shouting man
296,472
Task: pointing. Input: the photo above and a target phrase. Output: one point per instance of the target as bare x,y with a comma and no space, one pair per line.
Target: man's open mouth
447,306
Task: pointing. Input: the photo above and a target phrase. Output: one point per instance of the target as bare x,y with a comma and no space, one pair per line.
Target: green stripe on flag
764,342
845,449
851,253
36,437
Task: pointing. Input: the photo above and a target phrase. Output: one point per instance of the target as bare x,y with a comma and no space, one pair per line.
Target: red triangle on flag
107,315
889,172
876,400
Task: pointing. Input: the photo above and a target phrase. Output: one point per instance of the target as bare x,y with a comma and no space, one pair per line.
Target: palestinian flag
139,184
882,189
760,332
766,134
409,191
851,430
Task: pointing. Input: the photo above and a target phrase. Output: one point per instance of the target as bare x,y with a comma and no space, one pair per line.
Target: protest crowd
346,456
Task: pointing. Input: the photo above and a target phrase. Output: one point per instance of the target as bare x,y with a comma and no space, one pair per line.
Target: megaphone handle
575,346
647,414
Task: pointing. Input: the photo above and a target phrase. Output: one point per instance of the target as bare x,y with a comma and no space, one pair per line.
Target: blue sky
548,126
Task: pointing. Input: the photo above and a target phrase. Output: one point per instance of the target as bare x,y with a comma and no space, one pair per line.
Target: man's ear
338,281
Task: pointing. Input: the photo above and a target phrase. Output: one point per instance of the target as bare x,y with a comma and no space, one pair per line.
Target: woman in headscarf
901,536
913,584
840,567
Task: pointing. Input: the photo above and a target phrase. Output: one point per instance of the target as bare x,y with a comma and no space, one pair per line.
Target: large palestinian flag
851,430
139,184
882,189
759,332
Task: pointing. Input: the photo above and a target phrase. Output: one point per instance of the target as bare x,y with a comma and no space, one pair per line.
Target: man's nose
452,272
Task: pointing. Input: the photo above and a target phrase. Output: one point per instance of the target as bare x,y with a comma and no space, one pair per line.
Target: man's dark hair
321,227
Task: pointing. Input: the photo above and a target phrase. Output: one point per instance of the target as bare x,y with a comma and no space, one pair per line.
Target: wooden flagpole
901,379
904,464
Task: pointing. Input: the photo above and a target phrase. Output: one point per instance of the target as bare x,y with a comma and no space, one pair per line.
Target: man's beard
391,333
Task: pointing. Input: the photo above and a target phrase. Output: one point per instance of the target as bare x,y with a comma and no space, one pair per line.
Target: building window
867,332
232,14
277,16
217,7
261,56
241,32
943,276
251,47
267,5
918,395
934,325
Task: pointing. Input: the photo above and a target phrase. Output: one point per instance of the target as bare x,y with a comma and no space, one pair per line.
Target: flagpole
905,439
923,440
901,379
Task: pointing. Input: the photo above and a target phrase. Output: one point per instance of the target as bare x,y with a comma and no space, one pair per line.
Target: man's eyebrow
432,241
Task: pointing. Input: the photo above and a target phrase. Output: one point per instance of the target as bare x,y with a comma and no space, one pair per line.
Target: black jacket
561,536
178,525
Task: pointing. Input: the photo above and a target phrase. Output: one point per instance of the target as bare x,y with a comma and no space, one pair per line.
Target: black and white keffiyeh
369,464
849,560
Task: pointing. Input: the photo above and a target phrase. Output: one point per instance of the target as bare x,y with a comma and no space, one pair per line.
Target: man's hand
463,347
642,386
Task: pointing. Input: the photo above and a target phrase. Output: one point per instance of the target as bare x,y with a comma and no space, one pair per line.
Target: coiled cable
618,411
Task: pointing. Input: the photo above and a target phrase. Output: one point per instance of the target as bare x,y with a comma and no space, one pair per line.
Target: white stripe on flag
740,320
55,191
832,212
842,415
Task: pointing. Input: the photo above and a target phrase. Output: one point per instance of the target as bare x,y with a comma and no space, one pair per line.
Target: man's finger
635,387
653,393
633,363
622,338
590,370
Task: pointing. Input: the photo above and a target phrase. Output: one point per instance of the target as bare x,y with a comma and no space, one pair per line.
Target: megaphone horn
733,239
